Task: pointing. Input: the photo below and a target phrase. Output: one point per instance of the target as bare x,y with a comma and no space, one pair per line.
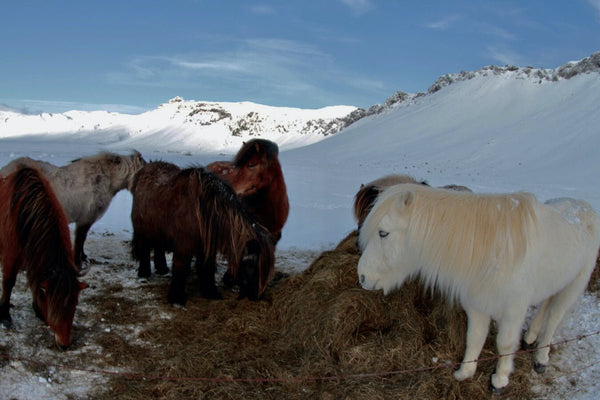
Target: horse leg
206,278
477,331
534,330
38,312
141,251
507,341
181,269
160,261
81,231
558,306
9,271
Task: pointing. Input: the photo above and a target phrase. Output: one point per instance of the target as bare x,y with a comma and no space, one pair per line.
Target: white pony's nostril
362,279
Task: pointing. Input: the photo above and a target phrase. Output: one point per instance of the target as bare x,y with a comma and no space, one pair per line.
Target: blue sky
131,55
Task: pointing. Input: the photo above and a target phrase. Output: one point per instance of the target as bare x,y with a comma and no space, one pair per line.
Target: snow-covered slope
492,132
181,125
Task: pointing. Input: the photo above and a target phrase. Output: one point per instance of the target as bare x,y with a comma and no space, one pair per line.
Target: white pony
495,254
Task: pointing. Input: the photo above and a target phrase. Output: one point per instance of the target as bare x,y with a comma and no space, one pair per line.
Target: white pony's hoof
528,346
464,372
539,368
499,383
497,391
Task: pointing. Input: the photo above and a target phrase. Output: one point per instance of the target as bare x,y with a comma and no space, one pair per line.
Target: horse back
163,210
45,167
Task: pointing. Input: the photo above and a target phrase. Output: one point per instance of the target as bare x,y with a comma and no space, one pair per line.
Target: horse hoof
228,280
7,323
162,272
527,346
212,295
144,274
497,391
177,302
539,368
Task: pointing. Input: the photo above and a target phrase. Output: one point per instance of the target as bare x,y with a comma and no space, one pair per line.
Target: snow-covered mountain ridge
201,126
211,126
569,70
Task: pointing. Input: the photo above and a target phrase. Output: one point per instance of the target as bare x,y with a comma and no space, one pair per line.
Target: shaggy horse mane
472,235
43,234
217,205
254,147
107,157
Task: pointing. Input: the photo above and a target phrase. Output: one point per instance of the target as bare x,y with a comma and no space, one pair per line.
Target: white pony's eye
383,234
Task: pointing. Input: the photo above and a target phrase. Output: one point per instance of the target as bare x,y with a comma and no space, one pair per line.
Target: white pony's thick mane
458,238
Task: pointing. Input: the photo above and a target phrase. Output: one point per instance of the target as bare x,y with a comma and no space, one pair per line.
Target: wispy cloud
262,9
31,106
497,32
443,23
266,68
358,7
504,55
596,5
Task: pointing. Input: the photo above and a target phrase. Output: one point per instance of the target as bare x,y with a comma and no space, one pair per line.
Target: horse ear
405,200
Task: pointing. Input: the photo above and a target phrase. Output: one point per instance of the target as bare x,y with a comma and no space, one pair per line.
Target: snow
491,133
180,125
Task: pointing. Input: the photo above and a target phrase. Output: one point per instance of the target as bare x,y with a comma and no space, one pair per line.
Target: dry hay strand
313,333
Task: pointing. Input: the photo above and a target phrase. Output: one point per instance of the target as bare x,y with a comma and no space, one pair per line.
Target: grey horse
85,187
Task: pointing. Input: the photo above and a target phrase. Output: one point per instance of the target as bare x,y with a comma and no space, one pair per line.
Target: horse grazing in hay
193,213
495,254
86,186
34,236
255,175
367,194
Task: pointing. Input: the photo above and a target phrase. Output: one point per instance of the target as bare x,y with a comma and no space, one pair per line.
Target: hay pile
315,324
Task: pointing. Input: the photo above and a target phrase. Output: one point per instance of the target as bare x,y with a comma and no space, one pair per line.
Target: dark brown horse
85,187
193,213
255,175
34,236
367,194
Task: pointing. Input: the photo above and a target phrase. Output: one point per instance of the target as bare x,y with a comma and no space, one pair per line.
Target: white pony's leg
560,303
534,330
477,331
507,341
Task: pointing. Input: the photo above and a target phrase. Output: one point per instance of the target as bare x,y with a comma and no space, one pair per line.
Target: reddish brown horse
34,236
193,213
255,175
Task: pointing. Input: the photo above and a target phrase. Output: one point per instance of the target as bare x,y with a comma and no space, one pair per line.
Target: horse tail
41,226
266,257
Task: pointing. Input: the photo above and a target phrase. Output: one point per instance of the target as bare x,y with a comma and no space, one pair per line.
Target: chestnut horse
34,236
85,187
193,213
255,175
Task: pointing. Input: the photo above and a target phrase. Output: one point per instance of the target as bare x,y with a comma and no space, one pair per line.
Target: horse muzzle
61,344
